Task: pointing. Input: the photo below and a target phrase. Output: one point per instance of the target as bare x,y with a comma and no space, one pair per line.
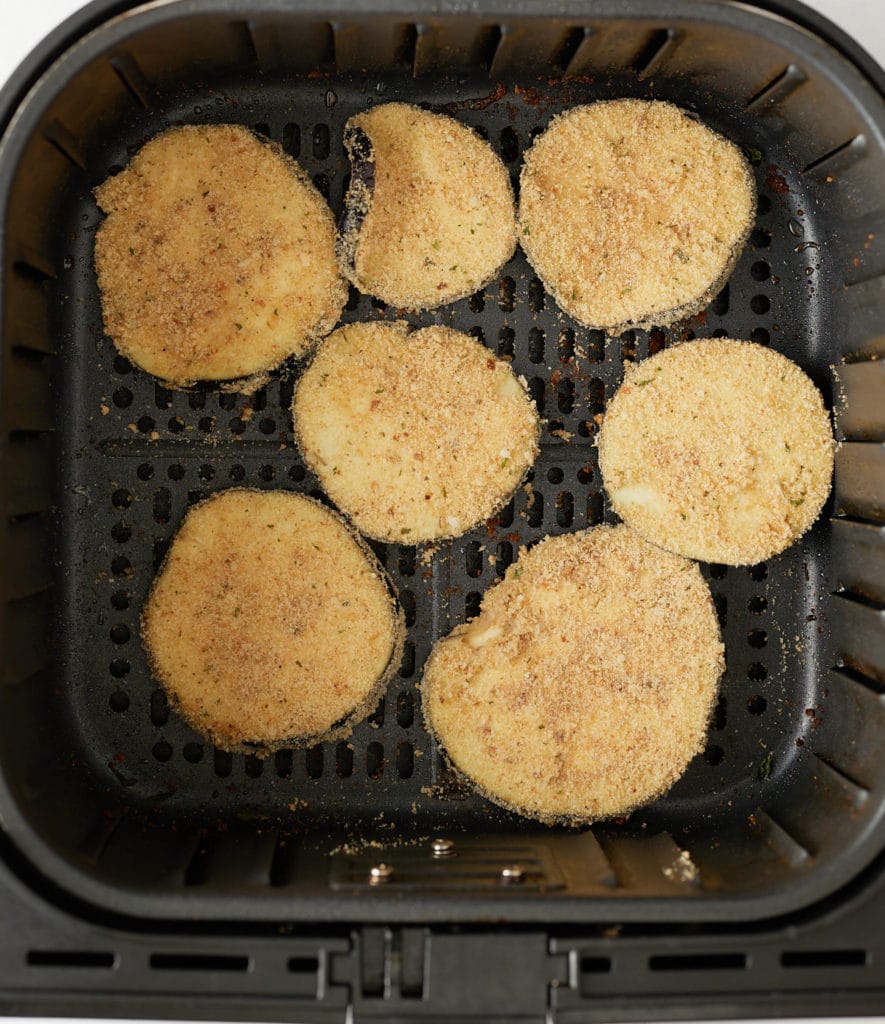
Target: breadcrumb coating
270,622
436,221
416,435
584,687
216,259
633,213
720,450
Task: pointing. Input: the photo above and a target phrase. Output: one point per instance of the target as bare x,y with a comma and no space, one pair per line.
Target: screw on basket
442,848
380,873
512,875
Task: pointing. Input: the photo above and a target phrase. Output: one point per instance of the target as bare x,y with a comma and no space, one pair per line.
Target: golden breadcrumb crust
270,622
439,222
416,435
216,259
719,450
584,687
633,213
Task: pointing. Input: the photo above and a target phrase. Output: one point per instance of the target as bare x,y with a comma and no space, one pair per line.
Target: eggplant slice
584,687
216,260
429,214
271,622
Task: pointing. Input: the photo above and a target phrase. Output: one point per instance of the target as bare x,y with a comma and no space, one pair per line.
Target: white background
23,23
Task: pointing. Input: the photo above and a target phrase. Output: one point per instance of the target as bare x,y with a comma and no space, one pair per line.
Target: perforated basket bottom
137,455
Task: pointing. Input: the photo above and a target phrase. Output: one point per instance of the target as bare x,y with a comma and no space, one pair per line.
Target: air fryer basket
131,813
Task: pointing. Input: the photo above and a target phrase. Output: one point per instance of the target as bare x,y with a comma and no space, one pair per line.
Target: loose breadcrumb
584,687
415,435
270,622
437,221
217,256
633,213
719,450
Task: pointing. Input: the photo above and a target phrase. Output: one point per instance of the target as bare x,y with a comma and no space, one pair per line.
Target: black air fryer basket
143,872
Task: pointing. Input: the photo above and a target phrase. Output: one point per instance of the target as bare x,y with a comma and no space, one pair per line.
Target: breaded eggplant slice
429,214
271,623
633,213
415,435
216,259
719,450
584,687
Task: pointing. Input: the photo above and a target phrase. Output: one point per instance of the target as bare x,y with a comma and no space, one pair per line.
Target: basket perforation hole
757,672
760,304
146,424
757,638
119,668
481,131
237,473
596,394
374,760
472,603
757,704
536,390
536,345
763,204
473,559
206,472
407,561
162,751
120,600
720,603
175,471
344,760
159,550
509,145
313,762
758,572
595,509
565,397
176,424
714,754
506,339
506,294
162,505
717,571
121,566
207,424
192,752
565,509
267,426
405,760
195,496
719,306
760,238
407,600
555,475
596,346
292,138
122,398
720,713
321,181
120,633
282,763
159,708
628,346
407,666
760,335
196,400
320,141
405,709
297,474
145,471
266,473
222,763
566,344
477,302
535,511
376,719
585,475
505,516
119,701
537,295
227,401
122,365
757,605
162,397
121,532
253,766
657,340
720,332
760,271
503,557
